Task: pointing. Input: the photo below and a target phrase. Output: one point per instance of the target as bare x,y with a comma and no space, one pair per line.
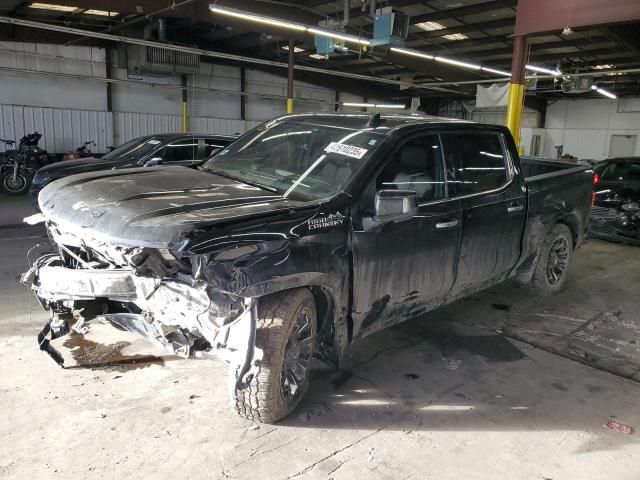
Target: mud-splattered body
183,256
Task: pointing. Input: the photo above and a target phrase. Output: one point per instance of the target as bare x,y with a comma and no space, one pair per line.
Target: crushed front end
616,221
148,291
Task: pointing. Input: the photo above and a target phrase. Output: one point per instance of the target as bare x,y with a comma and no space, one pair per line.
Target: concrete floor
14,209
446,396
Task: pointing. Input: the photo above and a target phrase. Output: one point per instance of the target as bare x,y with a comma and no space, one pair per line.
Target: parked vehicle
306,234
163,149
18,167
615,214
80,152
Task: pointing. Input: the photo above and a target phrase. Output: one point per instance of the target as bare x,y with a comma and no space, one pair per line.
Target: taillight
596,181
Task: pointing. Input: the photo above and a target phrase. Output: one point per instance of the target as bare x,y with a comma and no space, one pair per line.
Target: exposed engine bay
150,292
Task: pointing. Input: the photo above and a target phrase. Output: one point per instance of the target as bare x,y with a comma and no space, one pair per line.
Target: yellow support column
292,49
185,110
514,110
185,122
516,87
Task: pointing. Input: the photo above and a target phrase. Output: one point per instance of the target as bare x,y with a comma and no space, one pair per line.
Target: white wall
584,127
56,89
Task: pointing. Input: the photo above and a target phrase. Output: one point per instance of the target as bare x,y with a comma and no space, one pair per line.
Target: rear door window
180,151
212,146
476,162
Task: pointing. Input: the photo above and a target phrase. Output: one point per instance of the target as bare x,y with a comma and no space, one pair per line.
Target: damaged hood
152,207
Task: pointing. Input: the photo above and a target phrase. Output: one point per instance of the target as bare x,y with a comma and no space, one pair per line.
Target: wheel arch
333,322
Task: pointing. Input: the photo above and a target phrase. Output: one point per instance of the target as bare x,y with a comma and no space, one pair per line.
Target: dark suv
615,214
187,149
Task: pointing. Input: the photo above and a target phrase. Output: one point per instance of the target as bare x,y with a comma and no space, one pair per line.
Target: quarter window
416,166
475,162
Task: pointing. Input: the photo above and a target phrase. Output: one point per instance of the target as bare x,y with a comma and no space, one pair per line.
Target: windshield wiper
242,180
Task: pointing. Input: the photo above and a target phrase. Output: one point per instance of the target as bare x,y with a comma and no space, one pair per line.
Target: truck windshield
302,159
134,149
628,172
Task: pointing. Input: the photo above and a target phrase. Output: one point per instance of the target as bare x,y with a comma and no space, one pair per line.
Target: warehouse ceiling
474,31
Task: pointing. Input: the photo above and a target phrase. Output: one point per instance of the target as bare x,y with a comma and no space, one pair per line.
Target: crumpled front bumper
183,317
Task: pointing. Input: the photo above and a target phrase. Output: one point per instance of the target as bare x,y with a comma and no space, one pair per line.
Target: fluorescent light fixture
413,53
430,26
457,63
53,6
533,68
257,18
101,13
339,36
373,105
295,49
355,104
602,91
455,36
317,56
496,71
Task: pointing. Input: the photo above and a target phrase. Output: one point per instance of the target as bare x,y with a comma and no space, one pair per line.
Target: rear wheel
286,332
553,262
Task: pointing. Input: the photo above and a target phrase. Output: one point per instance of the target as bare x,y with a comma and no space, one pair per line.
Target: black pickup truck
306,234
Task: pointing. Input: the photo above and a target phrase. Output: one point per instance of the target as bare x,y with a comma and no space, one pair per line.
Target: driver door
403,268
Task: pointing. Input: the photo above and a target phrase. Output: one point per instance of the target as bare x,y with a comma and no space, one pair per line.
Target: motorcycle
18,167
80,152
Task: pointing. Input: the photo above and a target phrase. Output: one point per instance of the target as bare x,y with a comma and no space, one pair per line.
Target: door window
211,146
416,166
475,162
180,151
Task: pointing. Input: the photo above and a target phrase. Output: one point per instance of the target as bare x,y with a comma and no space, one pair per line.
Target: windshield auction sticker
347,150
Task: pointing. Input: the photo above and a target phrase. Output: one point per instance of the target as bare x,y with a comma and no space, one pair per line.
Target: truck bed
535,169
557,192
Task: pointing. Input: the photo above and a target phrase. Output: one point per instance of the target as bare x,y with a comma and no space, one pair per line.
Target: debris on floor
453,364
619,427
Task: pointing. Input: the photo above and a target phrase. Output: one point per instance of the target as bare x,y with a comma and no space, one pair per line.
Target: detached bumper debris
619,427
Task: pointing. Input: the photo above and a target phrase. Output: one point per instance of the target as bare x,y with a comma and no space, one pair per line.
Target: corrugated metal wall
62,129
132,125
65,129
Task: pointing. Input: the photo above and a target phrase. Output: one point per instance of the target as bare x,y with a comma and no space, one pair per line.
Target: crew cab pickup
306,234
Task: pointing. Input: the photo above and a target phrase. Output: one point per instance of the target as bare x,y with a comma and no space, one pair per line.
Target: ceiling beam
471,27
463,11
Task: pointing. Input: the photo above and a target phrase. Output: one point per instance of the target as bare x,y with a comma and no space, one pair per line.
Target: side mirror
395,205
152,162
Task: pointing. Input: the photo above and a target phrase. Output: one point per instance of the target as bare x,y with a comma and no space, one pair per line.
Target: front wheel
286,332
552,266
18,185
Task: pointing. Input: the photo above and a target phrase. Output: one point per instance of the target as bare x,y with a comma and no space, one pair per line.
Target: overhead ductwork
159,26
346,17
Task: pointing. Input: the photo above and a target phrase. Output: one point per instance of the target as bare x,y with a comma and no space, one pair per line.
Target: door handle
515,207
448,224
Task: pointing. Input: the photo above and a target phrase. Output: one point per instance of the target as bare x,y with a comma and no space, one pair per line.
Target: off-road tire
539,283
263,399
